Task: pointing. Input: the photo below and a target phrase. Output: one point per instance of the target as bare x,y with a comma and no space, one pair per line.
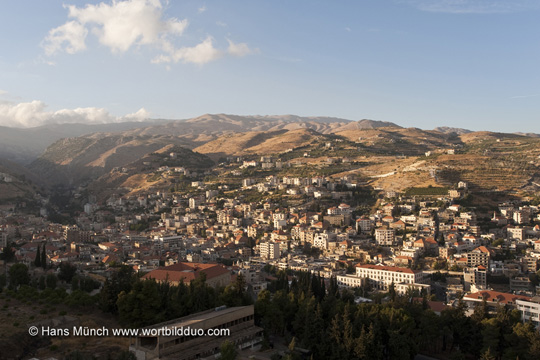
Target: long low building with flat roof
180,338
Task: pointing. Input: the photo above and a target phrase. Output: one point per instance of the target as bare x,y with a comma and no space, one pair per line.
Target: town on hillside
245,224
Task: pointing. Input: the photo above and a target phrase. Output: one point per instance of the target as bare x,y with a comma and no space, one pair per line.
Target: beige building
478,256
269,250
475,278
381,277
530,310
216,275
233,324
384,236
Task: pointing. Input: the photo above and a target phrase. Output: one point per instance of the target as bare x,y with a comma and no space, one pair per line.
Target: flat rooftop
196,318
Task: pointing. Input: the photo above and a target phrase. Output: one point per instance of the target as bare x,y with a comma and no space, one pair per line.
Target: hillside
16,182
390,155
145,172
408,141
25,145
259,143
72,160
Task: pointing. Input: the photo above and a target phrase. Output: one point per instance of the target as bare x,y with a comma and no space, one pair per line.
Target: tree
51,281
8,253
392,291
121,280
37,261
228,351
44,258
67,271
18,275
488,355
75,283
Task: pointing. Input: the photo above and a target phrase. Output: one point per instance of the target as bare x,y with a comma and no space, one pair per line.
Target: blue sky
422,63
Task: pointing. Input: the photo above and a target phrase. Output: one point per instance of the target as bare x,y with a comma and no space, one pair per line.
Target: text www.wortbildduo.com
103,331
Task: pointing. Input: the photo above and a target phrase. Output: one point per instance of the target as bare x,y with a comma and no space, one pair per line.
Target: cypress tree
37,260
44,257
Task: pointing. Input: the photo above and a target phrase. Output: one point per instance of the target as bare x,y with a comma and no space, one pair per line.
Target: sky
470,64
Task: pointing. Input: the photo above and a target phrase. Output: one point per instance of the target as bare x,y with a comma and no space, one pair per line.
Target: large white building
381,277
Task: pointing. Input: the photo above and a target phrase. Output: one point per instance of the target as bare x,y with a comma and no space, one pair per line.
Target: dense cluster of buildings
315,225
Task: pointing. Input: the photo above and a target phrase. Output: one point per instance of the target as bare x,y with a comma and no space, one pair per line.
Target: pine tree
37,260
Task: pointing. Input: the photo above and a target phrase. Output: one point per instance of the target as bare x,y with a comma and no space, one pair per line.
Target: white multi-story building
351,281
195,201
385,275
523,215
269,250
381,278
475,276
515,233
363,225
478,256
530,310
321,241
384,236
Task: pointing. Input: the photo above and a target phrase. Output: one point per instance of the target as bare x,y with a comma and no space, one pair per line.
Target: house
216,275
493,299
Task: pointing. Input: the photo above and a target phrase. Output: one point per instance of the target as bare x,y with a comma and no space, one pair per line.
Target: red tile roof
388,268
186,272
495,296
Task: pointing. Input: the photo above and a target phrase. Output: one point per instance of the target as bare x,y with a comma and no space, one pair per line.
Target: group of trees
327,322
41,257
45,287
309,312
145,302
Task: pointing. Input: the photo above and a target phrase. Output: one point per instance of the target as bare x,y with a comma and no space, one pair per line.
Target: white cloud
473,6
524,96
34,113
125,24
239,50
198,54
202,9
119,26
70,37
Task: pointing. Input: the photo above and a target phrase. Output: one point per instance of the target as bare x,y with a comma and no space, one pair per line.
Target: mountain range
74,154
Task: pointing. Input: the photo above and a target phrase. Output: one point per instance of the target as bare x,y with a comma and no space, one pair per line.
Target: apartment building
530,310
269,250
384,236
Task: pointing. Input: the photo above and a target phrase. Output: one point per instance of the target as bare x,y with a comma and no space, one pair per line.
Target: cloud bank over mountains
34,113
123,25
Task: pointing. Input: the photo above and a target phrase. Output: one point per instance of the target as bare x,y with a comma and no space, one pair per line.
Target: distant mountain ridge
449,130
23,145
118,152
